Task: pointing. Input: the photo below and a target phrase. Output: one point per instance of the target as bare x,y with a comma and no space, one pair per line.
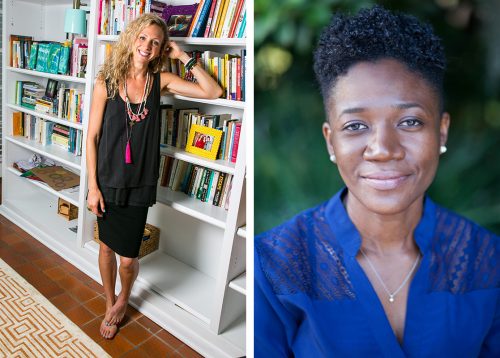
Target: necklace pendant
128,153
391,298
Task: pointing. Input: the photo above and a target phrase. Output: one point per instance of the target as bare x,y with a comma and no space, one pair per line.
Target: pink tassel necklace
141,114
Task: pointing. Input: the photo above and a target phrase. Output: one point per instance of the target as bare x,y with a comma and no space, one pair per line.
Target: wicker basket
150,240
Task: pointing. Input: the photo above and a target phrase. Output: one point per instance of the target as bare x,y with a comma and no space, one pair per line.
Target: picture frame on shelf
204,141
179,18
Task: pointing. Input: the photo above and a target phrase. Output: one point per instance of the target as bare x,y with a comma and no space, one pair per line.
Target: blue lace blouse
312,298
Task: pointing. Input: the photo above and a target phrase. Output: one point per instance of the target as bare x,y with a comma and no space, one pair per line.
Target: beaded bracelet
190,64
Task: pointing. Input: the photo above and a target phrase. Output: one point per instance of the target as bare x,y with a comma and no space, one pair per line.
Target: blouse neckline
348,235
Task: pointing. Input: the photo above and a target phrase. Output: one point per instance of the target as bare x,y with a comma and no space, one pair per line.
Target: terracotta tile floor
81,298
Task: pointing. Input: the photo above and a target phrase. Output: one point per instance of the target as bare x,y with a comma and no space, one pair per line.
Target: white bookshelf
196,41
70,196
181,202
192,285
219,165
39,212
46,116
50,151
239,284
53,76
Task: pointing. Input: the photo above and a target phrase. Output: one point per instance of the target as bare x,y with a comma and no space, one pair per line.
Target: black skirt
121,228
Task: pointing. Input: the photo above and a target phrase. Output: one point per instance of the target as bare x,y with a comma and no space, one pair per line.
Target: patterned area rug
31,326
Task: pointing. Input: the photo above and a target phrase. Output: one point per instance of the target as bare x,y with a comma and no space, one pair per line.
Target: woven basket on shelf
150,241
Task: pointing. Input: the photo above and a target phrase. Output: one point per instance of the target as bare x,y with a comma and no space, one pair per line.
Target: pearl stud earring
442,149
333,159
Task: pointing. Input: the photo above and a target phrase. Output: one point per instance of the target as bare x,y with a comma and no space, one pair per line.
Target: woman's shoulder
301,256
464,255
296,231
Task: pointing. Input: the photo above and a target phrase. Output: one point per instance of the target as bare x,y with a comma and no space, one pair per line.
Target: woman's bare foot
107,330
117,312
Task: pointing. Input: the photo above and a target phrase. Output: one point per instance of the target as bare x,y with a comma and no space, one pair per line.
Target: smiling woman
123,148
379,269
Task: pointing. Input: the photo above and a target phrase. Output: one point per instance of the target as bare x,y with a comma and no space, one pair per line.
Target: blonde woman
123,148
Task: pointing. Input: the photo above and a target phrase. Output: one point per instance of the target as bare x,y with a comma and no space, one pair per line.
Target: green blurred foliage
292,170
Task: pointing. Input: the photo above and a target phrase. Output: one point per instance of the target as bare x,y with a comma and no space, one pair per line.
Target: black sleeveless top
135,183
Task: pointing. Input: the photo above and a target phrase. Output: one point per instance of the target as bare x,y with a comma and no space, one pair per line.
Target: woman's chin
386,202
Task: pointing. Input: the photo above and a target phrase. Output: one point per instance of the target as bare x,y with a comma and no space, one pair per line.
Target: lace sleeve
464,257
302,256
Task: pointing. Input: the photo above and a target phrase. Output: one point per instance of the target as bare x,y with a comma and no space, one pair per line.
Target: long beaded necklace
141,113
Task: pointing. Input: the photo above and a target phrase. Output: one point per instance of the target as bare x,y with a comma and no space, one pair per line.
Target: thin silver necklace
393,294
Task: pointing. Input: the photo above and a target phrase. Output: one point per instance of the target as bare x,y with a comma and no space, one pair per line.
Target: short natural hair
373,34
116,66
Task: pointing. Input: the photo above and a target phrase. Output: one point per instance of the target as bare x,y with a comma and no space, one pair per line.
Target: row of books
208,18
227,69
219,19
64,58
114,15
46,132
55,99
176,125
207,185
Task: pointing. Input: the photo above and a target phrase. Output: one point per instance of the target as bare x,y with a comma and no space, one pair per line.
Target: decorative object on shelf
67,210
179,18
75,19
150,240
203,141
57,177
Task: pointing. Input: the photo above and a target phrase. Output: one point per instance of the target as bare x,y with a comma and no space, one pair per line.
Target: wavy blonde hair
116,67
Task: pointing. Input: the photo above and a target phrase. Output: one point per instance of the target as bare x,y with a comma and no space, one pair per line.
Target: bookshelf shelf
242,232
235,333
195,208
190,289
239,284
42,213
203,41
50,151
47,75
215,102
72,197
219,165
46,116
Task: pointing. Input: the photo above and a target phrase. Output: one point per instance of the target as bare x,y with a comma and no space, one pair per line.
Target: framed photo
51,89
179,18
203,141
